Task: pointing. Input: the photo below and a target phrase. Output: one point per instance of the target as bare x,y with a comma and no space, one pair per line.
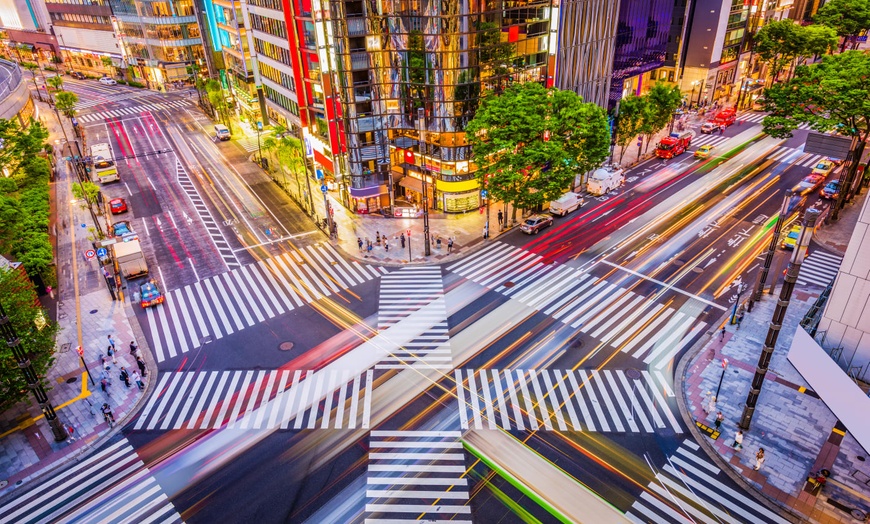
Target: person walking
722,334
450,245
386,243
107,414
402,240
759,459
359,242
110,350
719,418
500,219
111,341
485,231
740,319
738,440
378,238
125,376
711,405
134,376
133,348
369,248
141,364
104,385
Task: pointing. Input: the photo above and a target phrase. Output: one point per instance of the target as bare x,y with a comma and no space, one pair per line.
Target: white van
221,132
566,203
604,180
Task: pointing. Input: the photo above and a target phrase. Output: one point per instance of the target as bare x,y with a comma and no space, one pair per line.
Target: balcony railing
12,78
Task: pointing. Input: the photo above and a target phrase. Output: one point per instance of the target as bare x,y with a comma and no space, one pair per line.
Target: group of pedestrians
384,241
128,377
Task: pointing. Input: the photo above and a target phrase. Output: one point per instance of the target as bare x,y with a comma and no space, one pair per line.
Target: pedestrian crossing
781,154
690,488
709,140
250,144
258,400
757,118
137,110
565,400
112,485
112,95
640,326
819,268
414,296
223,247
416,476
212,308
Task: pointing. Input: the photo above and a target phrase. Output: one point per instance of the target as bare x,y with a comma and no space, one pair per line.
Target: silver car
535,223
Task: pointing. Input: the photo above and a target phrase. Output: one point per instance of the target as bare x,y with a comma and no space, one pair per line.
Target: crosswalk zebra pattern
819,268
137,110
258,400
111,96
112,485
783,154
250,144
690,488
223,247
709,140
757,117
414,296
212,308
603,310
565,400
416,476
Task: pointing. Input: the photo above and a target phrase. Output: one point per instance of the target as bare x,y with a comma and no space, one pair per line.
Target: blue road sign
259,125
84,226
484,193
318,174
323,188
102,252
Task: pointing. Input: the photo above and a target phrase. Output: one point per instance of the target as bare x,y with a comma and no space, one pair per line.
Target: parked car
76,74
709,127
221,132
704,151
535,223
124,230
150,294
809,184
789,241
106,81
831,190
824,167
118,205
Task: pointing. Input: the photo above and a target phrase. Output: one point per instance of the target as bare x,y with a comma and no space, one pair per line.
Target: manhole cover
859,457
71,380
508,284
93,311
632,374
64,347
285,346
679,262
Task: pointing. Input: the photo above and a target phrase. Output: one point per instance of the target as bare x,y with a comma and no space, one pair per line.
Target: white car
106,81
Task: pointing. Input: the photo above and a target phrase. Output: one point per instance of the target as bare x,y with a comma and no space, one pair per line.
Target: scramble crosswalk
258,400
690,488
603,310
819,268
415,296
756,117
212,308
111,95
137,110
416,476
709,140
112,485
565,400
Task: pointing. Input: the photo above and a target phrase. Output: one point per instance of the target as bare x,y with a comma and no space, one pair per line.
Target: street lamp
421,121
771,249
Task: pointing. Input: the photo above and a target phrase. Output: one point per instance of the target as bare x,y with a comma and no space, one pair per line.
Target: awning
414,184
365,192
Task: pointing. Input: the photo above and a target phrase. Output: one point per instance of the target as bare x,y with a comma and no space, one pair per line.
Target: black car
831,190
76,74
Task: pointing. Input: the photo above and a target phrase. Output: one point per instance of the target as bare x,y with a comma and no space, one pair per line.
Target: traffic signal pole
771,250
81,353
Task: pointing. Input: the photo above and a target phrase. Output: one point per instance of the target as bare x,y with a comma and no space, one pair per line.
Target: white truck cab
604,180
566,204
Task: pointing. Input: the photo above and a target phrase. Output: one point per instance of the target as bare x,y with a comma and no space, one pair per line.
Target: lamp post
421,121
33,381
791,276
259,149
771,250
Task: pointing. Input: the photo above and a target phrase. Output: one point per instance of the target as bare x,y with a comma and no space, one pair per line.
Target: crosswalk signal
80,350
409,233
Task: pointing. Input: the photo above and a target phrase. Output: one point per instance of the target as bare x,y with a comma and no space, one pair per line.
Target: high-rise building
87,36
26,22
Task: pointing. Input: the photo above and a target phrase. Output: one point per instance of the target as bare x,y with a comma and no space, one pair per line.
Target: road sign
484,193
259,126
80,350
102,252
84,226
323,188
318,174
90,253
409,232
74,121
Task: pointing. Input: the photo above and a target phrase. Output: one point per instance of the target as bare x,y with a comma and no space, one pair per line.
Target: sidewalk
27,447
798,432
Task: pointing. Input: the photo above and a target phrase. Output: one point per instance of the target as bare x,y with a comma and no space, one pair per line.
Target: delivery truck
604,180
566,203
130,259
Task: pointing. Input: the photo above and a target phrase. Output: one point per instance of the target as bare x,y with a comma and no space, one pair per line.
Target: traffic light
80,350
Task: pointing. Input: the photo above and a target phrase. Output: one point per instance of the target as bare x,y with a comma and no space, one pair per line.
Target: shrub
133,83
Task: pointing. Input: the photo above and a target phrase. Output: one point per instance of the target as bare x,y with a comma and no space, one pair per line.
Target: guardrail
10,83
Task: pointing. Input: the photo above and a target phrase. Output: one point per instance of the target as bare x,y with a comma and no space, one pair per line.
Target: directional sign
259,126
318,174
90,253
102,252
484,193
323,188
84,226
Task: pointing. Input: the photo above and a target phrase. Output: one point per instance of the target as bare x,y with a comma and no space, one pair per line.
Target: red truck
726,117
673,145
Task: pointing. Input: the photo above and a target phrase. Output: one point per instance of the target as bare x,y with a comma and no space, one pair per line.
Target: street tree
56,82
847,17
65,102
34,329
86,192
783,44
108,64
20,145
529,143
218,101
30,66
629,121
662,101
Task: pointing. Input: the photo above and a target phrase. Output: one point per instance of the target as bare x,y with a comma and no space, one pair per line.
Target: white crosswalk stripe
712,140
112,97
137,110
416,476
564,400
819,268
112,485
249,295
751,116
250,143
690,488
415,295
258,400
594,306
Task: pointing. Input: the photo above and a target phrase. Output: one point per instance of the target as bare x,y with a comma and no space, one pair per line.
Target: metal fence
10,77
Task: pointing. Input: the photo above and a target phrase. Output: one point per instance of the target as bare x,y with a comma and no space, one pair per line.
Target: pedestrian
378,238
369,248
759,459
719,418
450,245
402,240
438,243
739,319
104,362
141,364
134,376
485,231
500,218
110,350
711,405
70,431
722,334
359,242
107,414
104,385
386,243
125,376
133,348
111,341
738,440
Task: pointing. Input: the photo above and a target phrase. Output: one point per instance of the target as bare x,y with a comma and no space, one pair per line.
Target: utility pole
421,121
771,250
791,275
33,381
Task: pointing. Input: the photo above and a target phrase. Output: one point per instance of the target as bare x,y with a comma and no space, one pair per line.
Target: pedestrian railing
11,80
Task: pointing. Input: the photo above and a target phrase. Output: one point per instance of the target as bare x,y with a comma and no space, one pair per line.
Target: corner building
410,75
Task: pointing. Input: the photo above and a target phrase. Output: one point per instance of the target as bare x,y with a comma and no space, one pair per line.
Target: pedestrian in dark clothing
125,376
719,418
739,319
438,242
359,242
141,364
104,385
133,348
110,350
722,334
450,245
485,231
378,238
500,218
402,240
386,244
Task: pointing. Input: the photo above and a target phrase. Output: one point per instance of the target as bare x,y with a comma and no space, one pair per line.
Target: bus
103,165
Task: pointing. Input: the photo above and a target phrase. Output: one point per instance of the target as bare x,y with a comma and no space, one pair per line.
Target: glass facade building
641,43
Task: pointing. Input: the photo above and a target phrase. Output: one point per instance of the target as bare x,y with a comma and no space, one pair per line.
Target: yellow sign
457,187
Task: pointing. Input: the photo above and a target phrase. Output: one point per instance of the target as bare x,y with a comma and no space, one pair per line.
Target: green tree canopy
662,101
630,120
831,94
65,102
783,43
529,143
20,144
34,329
847,17
55,81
